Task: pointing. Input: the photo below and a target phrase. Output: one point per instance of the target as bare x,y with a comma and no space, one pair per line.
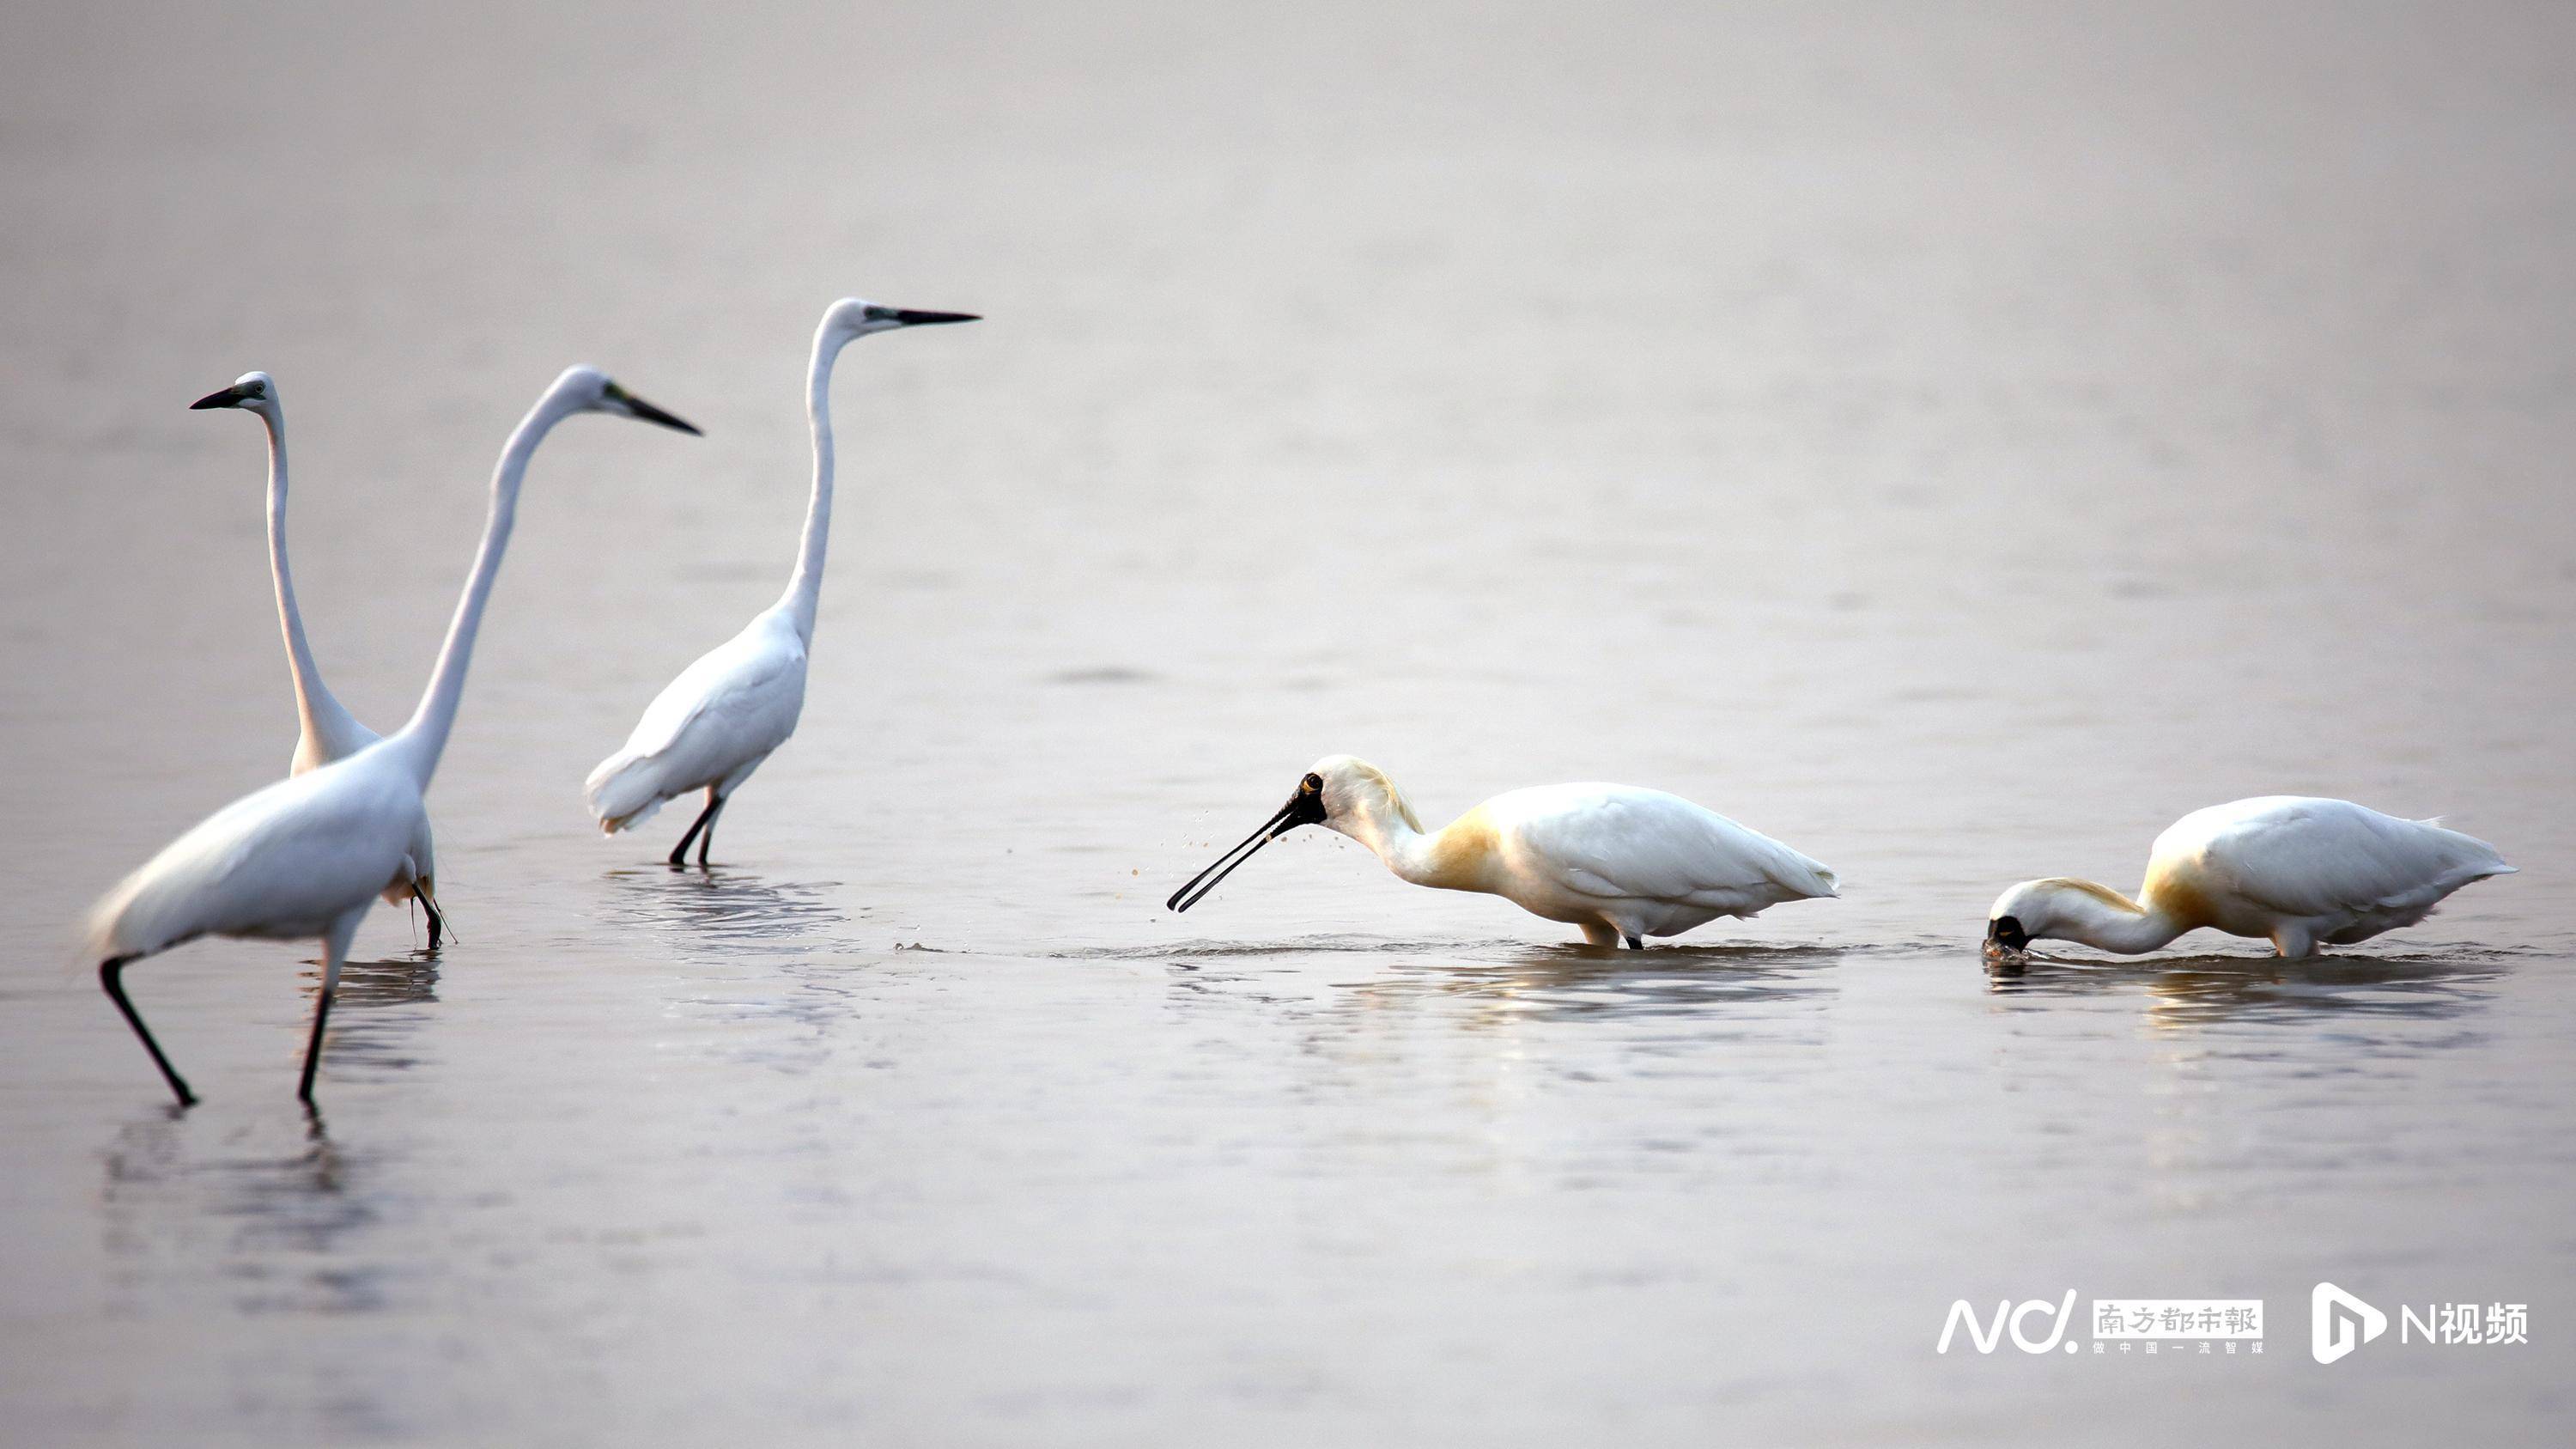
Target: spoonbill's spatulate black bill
1306,807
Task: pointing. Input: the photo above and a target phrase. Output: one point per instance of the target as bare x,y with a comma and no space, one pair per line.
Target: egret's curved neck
425,736
323,720
2127,928
805,586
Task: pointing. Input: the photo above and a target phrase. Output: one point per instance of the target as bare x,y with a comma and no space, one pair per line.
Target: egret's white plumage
1618,861
326,730
2292,869
713,725
305,857
710,727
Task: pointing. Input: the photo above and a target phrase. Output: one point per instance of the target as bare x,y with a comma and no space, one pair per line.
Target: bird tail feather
1811,879
621,792
134,918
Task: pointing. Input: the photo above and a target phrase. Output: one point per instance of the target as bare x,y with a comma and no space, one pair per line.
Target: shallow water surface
1956,441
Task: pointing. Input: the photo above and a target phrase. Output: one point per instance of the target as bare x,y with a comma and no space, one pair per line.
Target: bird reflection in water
750,951
270,1217
268,1214
2203,990
376,1017
1493,982
1572,983
724,912
410,979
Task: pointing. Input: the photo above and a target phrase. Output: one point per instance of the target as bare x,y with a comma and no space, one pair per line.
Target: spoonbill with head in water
2290,868
1620,862
328,731
713,725
305,857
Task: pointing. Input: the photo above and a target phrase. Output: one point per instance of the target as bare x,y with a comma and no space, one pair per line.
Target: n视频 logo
2341,1323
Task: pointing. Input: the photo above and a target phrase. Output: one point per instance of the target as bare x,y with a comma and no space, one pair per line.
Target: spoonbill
713,725
327,730
1620,862
2295,869
304,858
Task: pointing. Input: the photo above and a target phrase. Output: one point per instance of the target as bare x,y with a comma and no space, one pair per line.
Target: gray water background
1957,440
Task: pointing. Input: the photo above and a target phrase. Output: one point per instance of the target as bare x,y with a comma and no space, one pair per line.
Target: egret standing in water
1620,862
328,731
714,724
305,857
2288,868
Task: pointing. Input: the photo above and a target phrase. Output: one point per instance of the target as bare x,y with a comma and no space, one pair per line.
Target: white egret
2289,868
1620,862
305,857
327,730
713,725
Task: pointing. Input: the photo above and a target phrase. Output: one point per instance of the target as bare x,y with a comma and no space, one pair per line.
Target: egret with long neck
714,724
326,730
304,858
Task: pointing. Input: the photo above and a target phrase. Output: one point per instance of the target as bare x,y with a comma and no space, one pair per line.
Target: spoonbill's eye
1314,783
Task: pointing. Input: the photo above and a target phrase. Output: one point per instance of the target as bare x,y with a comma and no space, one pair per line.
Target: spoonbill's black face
2004,933
1305,807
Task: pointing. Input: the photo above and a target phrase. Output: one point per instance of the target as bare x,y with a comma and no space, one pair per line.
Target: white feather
282,863
711,726
2343,872
1646,856
2293,869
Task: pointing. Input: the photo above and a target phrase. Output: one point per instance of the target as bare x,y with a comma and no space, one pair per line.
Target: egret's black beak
1306,807
649,413
2004,933
229,397
906,317
652,414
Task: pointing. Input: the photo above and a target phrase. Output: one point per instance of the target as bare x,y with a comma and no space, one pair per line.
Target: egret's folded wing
741,698
332,834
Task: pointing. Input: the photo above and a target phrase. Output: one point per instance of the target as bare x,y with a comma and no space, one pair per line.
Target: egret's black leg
335,954
313,1049
110,975
1636,943
707,842
680,852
